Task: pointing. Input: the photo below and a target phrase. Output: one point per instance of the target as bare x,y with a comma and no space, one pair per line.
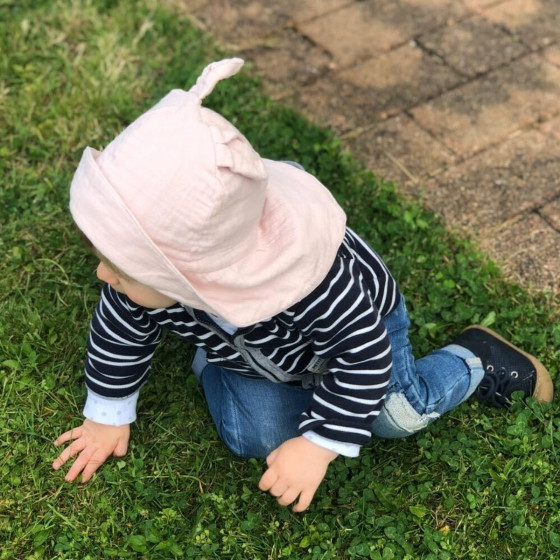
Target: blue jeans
254,416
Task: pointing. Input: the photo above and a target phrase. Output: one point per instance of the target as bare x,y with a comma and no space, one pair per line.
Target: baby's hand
295,469
93,442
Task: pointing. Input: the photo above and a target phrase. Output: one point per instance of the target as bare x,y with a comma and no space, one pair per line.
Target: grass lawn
478,484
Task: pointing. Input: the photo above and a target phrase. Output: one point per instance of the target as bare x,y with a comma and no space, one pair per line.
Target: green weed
478,484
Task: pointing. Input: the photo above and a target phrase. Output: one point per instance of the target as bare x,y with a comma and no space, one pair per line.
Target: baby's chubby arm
93,443
295,470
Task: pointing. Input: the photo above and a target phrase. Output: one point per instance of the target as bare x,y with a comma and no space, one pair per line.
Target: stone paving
457,101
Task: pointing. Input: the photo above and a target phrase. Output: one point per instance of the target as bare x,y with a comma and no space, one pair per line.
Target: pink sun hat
181,202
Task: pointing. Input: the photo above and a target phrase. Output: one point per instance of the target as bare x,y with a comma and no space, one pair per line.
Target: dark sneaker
507,368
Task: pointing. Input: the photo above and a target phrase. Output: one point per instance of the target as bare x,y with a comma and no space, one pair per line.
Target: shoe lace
497,386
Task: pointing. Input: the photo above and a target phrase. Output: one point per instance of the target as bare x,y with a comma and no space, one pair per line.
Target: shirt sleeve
122,341
340,447
346,329
113,412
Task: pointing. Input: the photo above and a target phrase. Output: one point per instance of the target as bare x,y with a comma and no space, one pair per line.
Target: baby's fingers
268,479
304,501
93,464
74,448
288,497
74,433
80,464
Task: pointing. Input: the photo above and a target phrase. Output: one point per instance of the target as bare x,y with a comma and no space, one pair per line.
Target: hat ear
213,73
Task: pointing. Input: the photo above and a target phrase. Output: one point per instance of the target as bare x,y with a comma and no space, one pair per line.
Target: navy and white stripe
339,325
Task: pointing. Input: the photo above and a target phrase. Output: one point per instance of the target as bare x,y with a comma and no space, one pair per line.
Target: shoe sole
544,388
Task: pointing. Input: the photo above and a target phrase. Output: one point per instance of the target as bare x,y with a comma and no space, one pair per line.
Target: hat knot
213,73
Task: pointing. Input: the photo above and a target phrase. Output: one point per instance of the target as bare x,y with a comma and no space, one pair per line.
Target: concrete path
457,101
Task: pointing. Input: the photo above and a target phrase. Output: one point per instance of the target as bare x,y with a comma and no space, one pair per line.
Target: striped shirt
334,340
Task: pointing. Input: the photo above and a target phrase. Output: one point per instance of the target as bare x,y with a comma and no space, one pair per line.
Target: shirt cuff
112,412
340,447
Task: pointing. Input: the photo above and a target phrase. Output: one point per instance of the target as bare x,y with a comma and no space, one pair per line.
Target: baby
300,328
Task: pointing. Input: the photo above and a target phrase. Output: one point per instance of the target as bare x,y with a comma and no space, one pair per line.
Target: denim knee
252,416
399,419
255,443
